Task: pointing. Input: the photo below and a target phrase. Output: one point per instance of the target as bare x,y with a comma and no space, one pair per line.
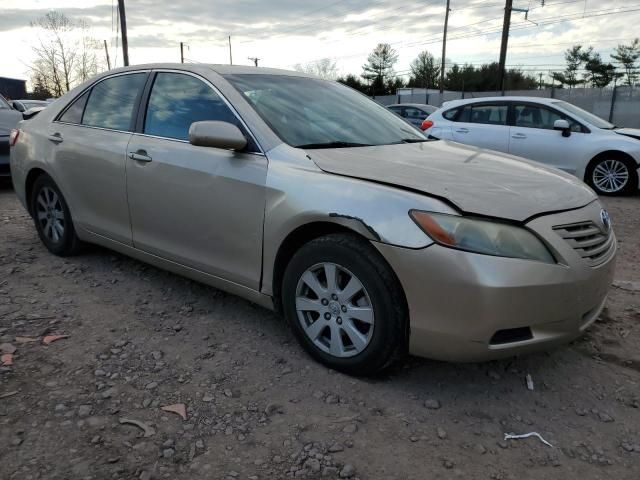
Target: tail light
426,124
13,137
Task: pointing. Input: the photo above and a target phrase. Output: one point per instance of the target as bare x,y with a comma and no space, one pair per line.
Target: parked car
9,119
553,132
414,113
24,105
371,239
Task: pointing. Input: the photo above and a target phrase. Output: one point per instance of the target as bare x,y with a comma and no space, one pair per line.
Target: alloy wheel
50,214
334,310
610,176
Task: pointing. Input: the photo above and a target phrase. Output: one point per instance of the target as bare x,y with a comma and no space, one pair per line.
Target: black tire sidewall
68,243
389,317
632,182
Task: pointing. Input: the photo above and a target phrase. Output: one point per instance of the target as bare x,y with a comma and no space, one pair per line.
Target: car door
88,151
532,136
483,125
202,207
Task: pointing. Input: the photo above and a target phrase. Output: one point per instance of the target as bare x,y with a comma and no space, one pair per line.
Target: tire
374,346
52,218
617,164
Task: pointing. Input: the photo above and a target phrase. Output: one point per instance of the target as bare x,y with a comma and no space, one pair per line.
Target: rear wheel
345,305
52,218
612,175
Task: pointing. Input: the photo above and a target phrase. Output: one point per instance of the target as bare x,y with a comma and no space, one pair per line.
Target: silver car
304,196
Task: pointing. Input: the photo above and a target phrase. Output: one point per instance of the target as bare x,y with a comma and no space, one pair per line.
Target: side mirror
216,134
563,126
18,106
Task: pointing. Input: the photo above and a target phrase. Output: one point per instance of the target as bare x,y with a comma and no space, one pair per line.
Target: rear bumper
470,307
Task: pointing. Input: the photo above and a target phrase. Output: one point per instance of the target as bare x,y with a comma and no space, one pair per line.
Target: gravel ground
258,408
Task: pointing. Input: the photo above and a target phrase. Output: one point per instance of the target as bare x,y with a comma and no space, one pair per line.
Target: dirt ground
257,407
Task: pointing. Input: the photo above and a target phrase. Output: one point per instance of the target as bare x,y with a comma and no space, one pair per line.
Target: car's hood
8,120
629,132
477,181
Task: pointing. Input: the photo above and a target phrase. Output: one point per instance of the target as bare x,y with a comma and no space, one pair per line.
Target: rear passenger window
74,112
178,100
112,101
450,114
486,114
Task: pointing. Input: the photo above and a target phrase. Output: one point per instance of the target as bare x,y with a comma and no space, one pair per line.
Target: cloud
285,32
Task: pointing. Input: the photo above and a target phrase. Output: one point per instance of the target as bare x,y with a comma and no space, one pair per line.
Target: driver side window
534,116
178,100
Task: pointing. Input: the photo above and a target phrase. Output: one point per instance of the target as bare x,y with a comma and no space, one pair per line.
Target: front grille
589,240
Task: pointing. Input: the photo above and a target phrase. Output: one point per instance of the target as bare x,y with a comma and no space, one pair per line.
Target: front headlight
482,236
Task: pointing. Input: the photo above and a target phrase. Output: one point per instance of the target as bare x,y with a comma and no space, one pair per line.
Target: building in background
13,88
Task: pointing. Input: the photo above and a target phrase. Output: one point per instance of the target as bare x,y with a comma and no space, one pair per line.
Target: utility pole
508,8
444,47
230,57
540,80
106,51
505,40
254,60
123,28
181,52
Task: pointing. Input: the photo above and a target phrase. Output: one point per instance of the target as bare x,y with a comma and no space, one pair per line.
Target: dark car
9,119
414,113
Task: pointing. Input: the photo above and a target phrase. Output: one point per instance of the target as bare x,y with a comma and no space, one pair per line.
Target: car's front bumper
471,307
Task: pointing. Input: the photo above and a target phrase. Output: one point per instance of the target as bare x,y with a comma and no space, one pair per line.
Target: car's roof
417,105
522,98
220,69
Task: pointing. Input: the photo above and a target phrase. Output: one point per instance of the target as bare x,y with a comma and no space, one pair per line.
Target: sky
282,33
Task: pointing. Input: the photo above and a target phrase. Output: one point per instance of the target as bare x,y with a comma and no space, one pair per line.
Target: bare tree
324,68
65,53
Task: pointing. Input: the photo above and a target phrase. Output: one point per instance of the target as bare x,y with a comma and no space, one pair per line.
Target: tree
324,68
354,82
65,55
598,73
575,57
40,91
379,68
483,78
425,71
628,55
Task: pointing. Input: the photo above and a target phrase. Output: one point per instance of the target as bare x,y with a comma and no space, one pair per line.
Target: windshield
313,113
585,116
3,103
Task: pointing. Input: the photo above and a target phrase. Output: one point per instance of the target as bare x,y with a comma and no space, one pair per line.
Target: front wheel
612,175
345,305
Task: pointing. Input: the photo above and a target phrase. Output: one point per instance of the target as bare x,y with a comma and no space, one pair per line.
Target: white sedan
549,131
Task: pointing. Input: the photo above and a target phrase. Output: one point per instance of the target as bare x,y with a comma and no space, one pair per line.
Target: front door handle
462,130
55,137
519,136
140,156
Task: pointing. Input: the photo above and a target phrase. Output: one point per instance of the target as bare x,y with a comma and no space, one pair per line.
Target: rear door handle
519,136
140,156
55,137
462,130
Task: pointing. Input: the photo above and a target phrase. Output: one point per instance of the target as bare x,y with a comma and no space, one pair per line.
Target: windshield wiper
414,140
336,144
